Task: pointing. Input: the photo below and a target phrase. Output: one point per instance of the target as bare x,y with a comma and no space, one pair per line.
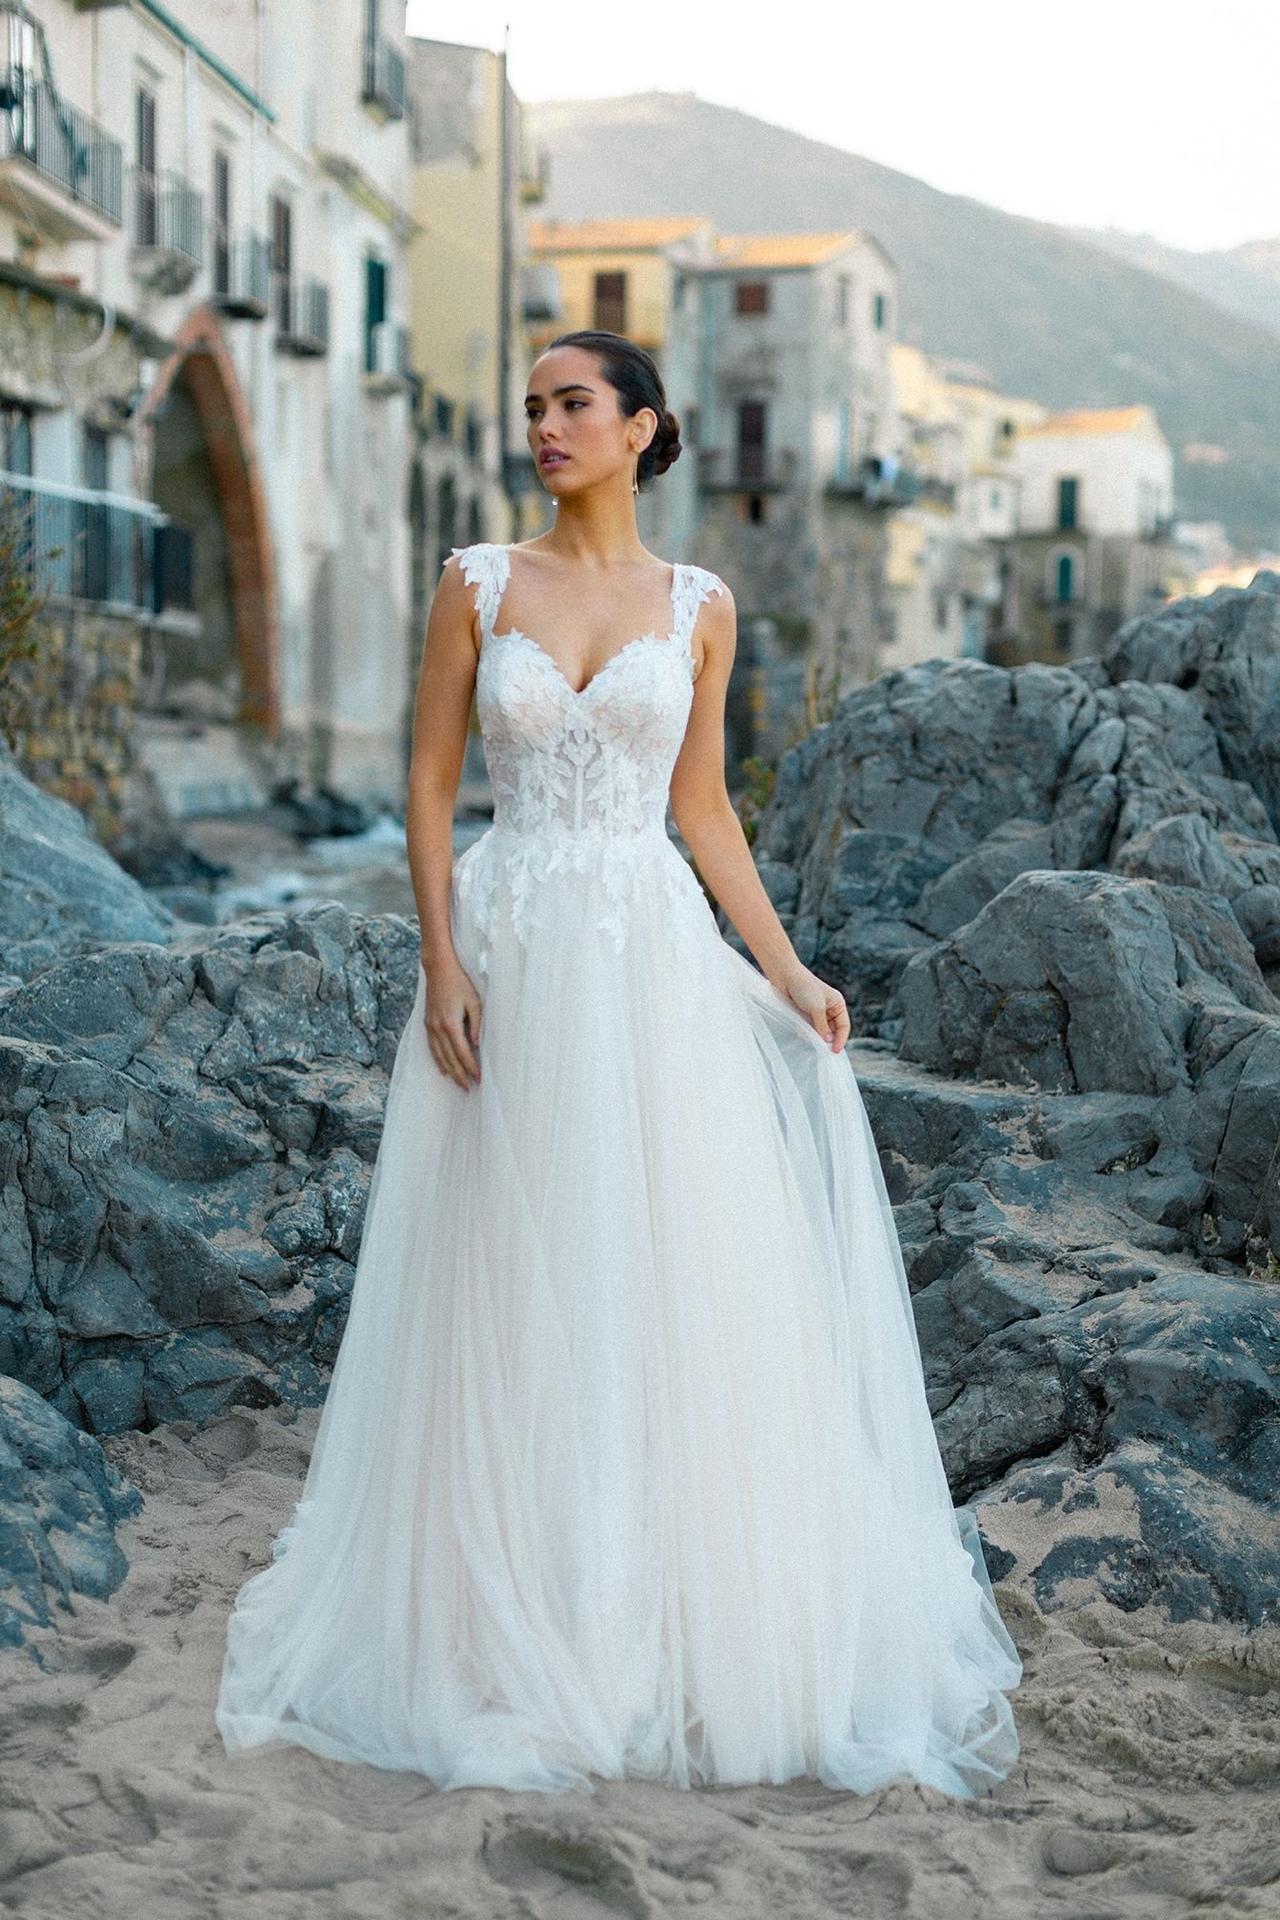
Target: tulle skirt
626,1465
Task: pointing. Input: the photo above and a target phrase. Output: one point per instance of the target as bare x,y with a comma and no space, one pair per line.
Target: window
1068,502
689,427
842,300
91,547
879,310
940,609
95,460
15,438
1065,580
147,208
1062,632
281,216
221,222
610,302
375,307
751,439
751,296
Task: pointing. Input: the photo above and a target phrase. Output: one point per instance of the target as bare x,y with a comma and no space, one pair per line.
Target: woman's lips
552,459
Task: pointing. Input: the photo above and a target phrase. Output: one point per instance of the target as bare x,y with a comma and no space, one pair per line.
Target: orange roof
782,249
1095,420
599,236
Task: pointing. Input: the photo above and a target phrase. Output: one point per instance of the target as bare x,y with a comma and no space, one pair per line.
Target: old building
637,277
939,576
1093,542
203,233
473,294
798,473
774,349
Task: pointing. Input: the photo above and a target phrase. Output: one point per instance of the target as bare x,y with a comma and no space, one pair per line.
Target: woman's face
578,435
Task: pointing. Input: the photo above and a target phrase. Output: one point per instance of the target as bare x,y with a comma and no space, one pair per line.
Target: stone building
774,350
473,294
937,577
637,277
203,235
1093,543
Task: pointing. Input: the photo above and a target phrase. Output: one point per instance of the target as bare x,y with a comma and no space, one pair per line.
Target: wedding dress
626,1465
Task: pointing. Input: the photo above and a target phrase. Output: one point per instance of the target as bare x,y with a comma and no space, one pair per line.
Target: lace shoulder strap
693,586
485,566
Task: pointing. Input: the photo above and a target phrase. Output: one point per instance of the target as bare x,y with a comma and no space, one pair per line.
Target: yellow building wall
455,312
647,278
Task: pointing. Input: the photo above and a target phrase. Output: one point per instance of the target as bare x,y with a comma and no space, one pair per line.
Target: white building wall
331,451
1125,480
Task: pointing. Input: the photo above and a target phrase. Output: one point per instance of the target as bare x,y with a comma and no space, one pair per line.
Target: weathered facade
219,200
1094,542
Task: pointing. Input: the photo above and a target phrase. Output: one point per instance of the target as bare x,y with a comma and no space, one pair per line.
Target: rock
60,1502
186,1134
60,892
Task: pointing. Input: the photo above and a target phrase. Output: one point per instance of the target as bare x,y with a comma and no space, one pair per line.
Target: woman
626,1465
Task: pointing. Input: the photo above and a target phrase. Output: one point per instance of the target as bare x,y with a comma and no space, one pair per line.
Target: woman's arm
441,710
713,832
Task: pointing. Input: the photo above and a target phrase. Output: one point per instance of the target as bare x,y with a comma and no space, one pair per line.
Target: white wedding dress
626,1465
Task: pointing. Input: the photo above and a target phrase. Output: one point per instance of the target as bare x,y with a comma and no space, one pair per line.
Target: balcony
58,169
167,230
111,552
303,318
240,271
746,469
387,358
883,483
383,88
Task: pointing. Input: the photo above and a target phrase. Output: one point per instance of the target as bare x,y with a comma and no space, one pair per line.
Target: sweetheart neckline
580,693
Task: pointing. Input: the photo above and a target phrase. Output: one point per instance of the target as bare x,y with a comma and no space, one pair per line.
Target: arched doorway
205,472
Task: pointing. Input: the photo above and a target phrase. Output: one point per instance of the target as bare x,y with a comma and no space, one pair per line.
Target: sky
1106,113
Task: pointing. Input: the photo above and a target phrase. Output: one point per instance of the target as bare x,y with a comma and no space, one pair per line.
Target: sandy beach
1148,1785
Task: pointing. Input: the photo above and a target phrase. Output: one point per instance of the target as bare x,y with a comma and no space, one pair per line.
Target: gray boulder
186,1135
60,891
60,1502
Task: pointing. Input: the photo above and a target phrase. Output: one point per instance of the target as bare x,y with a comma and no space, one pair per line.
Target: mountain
1046,313
1243,280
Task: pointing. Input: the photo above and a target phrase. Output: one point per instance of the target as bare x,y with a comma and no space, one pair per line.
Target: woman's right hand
452,1020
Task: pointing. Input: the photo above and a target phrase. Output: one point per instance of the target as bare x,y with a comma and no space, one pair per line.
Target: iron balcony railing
383,76
746,469
99,547
168,212
62,143
884,483
240,273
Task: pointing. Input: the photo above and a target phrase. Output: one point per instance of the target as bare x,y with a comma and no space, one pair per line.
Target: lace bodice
581,777
596,759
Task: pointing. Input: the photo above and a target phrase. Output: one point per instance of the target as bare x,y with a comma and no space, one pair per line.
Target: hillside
1045,313
1244,281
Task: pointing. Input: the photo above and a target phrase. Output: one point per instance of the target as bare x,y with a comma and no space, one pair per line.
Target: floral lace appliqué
580,778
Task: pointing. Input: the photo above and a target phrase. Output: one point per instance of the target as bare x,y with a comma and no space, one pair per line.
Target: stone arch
200,358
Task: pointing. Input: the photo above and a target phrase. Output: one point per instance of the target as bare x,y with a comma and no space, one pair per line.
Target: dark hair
635,377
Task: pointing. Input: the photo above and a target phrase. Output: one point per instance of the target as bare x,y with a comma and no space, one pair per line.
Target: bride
626,1465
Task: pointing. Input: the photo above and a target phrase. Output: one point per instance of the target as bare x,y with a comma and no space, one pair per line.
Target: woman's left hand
823,1006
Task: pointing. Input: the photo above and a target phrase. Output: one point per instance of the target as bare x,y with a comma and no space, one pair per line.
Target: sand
1149,1782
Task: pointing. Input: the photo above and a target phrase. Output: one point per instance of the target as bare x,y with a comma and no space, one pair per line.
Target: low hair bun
666,443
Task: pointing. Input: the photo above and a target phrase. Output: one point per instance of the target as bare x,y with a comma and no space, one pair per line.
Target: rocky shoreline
1052,898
